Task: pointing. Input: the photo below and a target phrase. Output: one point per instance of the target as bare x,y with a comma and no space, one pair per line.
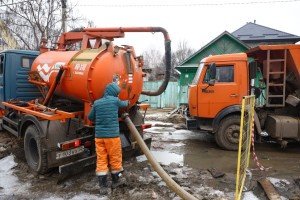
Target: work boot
117,180
103,184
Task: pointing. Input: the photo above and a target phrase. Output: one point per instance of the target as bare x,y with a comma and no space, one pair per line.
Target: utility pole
63,16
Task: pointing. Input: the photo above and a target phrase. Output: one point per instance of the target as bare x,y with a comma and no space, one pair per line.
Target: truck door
21,89
225,91
193,92
2,92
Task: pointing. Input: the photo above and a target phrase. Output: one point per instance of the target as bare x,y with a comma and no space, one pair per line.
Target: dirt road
185,155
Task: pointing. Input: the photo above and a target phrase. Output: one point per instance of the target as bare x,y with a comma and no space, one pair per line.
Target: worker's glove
124,115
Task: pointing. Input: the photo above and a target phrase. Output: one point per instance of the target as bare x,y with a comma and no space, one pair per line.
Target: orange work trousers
109,155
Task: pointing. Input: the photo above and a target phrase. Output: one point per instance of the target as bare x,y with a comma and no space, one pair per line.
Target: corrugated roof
256,32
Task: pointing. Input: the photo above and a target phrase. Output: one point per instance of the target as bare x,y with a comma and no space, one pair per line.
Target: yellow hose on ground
166,178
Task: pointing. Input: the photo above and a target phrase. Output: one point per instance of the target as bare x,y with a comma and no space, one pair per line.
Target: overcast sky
197,22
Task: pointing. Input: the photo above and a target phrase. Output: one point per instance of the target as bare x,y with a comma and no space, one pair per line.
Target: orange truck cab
221,81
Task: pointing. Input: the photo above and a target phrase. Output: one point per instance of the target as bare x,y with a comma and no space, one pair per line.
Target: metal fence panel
168,99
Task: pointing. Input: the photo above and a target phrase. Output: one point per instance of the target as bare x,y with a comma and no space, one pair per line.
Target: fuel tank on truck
88,71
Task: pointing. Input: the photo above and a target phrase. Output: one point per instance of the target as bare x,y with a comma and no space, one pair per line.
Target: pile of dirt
7,144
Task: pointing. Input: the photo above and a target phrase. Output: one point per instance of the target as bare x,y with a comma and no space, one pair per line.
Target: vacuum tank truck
52,119
271,71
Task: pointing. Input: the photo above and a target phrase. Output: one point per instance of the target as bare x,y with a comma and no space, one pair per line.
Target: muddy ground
188,156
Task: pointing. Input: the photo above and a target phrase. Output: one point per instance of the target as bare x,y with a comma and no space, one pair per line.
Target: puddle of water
201,152
188,135
204,155
163,157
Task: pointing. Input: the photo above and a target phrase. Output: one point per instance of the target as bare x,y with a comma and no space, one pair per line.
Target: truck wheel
227,136
35,157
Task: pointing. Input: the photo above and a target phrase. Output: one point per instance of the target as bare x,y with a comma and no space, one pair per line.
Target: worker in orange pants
107,136
108,148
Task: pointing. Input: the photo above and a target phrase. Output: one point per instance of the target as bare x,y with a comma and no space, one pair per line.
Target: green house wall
187,75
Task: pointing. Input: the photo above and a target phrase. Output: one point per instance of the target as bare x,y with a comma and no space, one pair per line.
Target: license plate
70,152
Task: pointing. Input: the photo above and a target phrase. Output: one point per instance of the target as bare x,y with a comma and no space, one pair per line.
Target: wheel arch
231,110
29,120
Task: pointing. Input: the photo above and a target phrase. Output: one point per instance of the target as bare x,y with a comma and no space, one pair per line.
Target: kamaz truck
271,72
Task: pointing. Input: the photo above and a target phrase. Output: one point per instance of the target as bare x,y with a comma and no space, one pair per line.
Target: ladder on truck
276,99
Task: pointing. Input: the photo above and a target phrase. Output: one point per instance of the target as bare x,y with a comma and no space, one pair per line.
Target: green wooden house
225,43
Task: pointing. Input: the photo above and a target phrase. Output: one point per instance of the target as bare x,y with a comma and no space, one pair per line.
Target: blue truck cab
14,66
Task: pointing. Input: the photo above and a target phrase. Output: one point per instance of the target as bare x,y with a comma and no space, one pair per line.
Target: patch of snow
249,196
8,181
178,144
217,193
157,115
7,163
159,123
80,196
52,198
163,157
84,196
209,192
280,183
183,132
162,183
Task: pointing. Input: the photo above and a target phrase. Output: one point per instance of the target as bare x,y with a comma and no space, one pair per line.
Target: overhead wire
2,4
188,4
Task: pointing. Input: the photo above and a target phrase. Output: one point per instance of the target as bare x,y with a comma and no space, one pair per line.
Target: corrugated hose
165,177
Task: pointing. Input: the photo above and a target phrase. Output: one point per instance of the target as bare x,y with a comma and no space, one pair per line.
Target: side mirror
211,82
253,69
212,74
212,70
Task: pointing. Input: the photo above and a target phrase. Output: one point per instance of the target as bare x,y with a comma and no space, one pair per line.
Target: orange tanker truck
272,72
54,90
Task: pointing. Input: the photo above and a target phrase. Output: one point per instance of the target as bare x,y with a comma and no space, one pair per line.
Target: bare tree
182,52
153,60
156,61
30,21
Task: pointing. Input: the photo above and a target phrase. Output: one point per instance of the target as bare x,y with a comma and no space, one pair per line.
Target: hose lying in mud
166,178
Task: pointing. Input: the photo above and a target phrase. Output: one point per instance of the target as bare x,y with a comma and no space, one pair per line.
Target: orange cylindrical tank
90,70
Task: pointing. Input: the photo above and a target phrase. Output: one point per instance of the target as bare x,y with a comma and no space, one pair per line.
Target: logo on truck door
45,71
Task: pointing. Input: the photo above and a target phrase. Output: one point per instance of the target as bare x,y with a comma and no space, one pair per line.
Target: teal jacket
105,112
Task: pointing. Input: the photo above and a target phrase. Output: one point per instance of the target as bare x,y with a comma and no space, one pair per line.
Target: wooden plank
269,189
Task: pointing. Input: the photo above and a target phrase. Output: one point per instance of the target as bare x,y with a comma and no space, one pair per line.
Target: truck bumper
78,166
191,123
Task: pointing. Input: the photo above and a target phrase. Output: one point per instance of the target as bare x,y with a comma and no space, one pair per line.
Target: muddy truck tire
227,136
35,157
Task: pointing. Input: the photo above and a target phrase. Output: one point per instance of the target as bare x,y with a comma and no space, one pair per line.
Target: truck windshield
198,73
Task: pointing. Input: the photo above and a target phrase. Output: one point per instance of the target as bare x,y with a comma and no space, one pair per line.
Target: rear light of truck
87,144
70,144
145,126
